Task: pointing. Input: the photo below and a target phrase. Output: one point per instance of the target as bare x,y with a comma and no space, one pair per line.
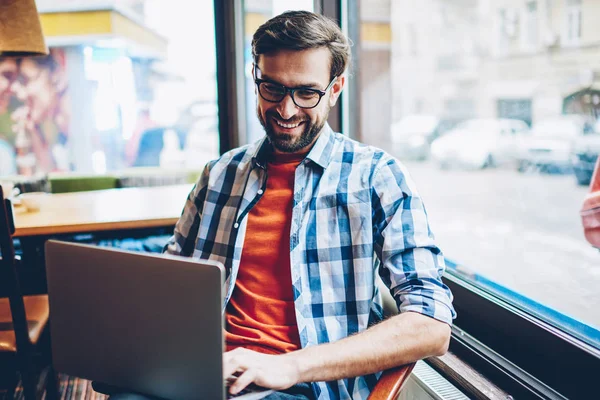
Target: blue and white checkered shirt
355,213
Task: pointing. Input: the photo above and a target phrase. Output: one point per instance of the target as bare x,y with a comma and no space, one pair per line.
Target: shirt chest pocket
341,218
335,200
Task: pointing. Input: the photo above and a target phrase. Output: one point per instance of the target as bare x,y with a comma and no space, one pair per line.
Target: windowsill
466,378
517,351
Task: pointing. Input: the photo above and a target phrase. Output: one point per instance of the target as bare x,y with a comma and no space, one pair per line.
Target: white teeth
288,126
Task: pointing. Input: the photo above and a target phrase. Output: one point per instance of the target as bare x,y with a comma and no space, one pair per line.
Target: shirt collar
322,150
261,155
320,153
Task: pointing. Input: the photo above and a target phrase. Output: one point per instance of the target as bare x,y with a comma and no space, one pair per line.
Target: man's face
34,87
8,74
290,128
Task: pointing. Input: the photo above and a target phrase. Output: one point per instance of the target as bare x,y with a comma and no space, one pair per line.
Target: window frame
510,345
231,101
530,26
573,23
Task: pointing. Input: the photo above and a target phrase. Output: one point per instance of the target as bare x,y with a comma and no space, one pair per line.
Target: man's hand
277,372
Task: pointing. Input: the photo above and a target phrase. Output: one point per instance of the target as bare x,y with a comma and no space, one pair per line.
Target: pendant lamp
20,29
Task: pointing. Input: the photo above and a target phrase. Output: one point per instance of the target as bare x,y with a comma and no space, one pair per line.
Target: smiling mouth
287,125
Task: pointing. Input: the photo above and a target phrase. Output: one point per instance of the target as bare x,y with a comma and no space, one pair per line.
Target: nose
286,107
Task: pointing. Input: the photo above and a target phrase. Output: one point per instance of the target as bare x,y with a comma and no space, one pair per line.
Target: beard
285,142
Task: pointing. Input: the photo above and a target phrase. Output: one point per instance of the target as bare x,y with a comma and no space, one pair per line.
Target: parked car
584,155
480,143
550,145
412,135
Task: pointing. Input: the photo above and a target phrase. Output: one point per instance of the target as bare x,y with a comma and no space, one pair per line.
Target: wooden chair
392,381
23,319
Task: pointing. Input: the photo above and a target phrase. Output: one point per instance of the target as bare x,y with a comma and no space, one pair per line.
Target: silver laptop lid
149,323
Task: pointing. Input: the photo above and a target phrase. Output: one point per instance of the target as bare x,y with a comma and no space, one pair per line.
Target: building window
529,36
573,14
515,109
507,29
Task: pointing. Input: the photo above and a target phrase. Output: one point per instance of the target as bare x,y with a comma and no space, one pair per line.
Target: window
519,109
492,148
529,38
135,88
573,18
504,207
502,32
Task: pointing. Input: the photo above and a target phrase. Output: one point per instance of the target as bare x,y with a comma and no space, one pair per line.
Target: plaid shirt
355,213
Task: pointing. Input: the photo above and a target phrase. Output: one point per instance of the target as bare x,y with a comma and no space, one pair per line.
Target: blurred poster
34,114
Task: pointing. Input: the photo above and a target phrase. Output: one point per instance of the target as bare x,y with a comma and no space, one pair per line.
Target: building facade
525,59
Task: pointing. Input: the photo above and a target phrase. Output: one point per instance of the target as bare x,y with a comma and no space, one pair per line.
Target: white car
412,135
550,146
480,143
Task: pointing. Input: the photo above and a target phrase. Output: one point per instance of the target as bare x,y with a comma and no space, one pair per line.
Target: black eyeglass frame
291,91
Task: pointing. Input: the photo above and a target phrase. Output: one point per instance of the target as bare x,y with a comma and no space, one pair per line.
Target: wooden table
102,211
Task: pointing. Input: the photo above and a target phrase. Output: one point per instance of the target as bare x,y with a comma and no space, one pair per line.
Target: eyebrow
310,85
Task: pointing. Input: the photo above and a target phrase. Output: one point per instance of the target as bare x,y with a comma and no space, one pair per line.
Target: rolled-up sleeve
185,235
411,263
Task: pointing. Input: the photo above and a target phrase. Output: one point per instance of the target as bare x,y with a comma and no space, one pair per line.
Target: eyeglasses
301,96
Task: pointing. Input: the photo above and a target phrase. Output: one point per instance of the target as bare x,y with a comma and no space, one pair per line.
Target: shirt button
236,225
260,191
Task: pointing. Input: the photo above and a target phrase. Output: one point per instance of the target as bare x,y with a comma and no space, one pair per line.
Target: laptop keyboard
250,392
234,396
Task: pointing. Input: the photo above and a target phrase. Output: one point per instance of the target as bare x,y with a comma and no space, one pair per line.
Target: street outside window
496,117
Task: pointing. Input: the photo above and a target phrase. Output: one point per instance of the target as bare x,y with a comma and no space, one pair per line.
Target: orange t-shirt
260,314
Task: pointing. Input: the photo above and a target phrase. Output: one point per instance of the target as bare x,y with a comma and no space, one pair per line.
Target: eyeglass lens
305,98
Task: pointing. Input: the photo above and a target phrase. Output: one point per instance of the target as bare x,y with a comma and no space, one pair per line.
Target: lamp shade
20,29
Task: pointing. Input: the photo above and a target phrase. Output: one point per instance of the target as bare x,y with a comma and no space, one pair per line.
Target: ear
336,89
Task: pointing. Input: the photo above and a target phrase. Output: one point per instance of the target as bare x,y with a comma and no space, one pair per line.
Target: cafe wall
34,114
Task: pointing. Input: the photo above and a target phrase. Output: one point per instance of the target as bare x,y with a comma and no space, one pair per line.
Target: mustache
293,120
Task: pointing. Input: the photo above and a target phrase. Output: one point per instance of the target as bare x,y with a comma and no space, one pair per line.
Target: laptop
150,323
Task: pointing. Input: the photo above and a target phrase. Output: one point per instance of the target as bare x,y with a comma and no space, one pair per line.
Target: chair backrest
28,184
9,276
7,228
81,183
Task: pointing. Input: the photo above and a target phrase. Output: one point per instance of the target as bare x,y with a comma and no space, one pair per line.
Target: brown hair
300,30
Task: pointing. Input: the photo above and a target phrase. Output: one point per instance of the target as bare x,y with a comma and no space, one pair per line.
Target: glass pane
496,116
257,12
131,85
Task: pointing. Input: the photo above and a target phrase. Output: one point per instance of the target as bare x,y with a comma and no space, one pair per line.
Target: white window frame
530,25
502,39
573,23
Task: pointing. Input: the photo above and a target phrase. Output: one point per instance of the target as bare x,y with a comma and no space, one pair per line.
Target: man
303,220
